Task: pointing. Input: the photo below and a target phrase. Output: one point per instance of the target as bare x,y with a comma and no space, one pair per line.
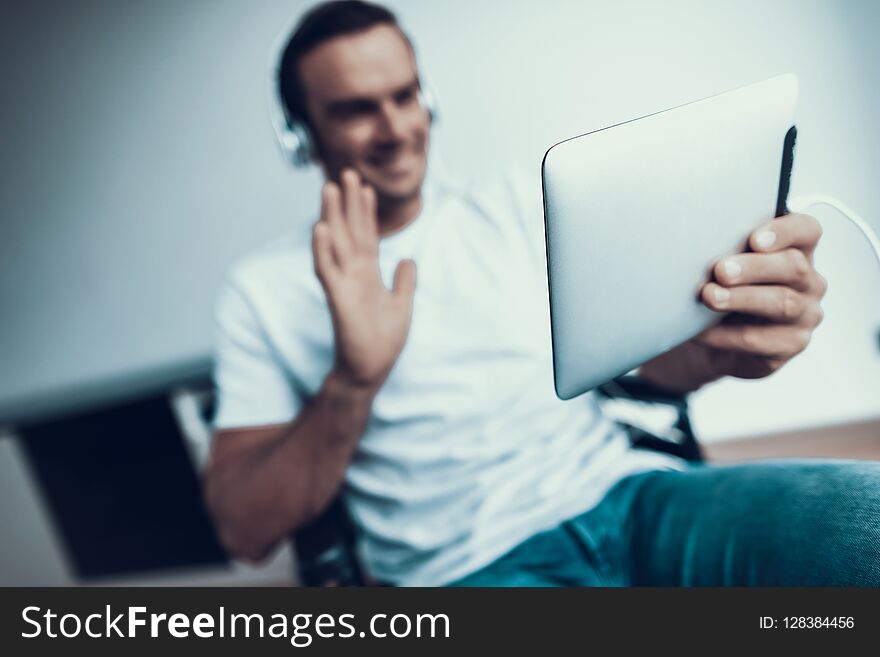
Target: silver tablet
637,213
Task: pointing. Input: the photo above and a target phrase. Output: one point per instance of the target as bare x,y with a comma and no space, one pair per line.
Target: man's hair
320,24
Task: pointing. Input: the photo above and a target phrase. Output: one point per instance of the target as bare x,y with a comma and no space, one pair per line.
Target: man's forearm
265,492
681,370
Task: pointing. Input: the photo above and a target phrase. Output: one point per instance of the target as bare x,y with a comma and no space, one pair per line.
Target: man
431,405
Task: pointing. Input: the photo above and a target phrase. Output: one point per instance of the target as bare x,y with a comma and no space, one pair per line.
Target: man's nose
392,122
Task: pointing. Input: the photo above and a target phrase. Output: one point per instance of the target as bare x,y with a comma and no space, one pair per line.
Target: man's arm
773,294
263,482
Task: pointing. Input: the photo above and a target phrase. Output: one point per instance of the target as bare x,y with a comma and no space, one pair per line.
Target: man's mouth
398,162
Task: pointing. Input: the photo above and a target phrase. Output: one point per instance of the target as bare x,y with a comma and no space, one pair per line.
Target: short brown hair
321,23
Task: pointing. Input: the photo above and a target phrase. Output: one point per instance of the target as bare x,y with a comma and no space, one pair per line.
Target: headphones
296,143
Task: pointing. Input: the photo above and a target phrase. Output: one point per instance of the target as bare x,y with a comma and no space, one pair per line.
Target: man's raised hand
370,322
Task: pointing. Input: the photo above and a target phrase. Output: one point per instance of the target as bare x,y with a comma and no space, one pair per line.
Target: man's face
362,98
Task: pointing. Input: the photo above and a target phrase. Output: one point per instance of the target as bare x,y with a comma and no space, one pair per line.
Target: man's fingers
322,251
778,303
798,231
331,215
364,226
370,220
789,267
404,281
353,206
778,341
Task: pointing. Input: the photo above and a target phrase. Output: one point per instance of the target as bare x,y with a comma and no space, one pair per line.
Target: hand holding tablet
772,294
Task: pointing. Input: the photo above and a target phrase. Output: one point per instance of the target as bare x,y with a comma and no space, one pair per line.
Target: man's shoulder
510,198
287,258
513,184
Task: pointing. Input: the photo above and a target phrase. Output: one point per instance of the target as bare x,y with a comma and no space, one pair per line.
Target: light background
138,162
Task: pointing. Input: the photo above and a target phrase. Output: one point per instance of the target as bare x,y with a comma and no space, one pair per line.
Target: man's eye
354,111
407,96
359,109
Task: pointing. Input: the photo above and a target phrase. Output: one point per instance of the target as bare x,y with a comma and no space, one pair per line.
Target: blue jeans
782,522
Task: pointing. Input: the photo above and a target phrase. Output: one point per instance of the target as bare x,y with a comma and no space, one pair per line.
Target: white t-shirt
468,451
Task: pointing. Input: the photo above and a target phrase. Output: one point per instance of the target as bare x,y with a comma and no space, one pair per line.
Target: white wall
138,163
138,160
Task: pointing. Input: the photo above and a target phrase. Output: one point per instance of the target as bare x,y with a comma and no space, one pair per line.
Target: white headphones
293,136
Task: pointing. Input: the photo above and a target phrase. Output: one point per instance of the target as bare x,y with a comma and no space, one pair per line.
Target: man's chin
399,191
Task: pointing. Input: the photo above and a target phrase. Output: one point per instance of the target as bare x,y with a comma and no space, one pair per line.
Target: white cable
801,203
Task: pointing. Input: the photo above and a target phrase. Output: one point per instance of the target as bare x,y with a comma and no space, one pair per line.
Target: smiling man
430,404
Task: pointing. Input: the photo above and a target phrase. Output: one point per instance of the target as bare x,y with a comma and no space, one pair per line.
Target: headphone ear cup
299,147
429,101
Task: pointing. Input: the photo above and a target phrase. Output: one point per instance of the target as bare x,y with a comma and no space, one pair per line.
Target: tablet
637,214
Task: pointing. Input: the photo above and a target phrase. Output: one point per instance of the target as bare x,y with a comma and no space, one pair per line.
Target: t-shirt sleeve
253,388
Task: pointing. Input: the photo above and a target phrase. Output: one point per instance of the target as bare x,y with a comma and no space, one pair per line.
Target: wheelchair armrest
325,552
629,387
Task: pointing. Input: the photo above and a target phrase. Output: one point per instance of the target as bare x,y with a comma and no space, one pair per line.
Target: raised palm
370,322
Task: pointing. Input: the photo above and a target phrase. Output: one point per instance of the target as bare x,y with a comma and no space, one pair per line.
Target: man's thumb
404,280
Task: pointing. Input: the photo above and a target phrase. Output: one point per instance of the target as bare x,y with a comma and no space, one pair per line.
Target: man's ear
318,157
317,149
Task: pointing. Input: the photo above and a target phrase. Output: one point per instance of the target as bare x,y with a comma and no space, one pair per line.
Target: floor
855,440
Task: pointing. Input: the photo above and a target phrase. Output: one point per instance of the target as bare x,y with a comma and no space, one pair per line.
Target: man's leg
555,557
785,522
